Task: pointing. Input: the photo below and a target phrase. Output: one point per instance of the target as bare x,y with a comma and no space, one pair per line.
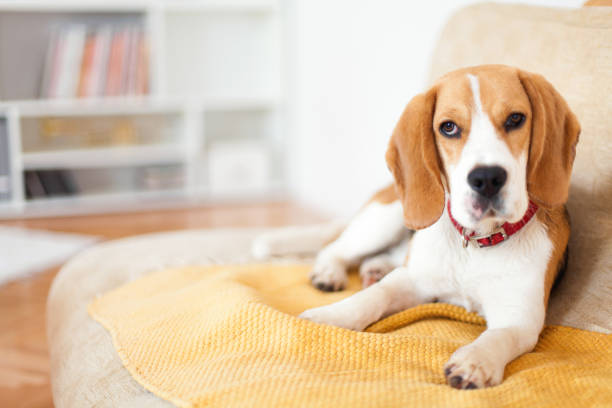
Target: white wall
354,66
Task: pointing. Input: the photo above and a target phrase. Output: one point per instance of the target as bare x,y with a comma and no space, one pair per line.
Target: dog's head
493,137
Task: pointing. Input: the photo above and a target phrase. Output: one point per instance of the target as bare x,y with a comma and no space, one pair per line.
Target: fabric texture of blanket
226,336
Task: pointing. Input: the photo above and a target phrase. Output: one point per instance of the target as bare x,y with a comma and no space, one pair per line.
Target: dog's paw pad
374,269
325,287
469,368
328,276
455,381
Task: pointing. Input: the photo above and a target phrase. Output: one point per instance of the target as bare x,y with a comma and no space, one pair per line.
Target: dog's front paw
374,269
328,275
471,367
334,315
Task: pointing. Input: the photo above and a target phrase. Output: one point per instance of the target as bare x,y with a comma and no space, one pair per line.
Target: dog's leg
395,292
295,240
513,327
376,227
376,267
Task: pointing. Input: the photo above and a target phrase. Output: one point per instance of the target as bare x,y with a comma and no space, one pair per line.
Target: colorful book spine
94,62
142,69
70,61
115,65
85,77
103,36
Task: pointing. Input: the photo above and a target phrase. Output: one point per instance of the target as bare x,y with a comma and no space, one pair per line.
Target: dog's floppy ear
554,134
413,159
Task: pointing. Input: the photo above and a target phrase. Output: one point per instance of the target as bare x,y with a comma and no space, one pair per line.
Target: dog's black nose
487,181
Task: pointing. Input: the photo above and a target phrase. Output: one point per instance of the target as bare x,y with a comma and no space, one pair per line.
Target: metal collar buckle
474,239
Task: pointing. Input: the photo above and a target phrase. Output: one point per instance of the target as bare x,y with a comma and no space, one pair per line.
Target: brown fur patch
557,224
413,159
554,135
598,3
454,104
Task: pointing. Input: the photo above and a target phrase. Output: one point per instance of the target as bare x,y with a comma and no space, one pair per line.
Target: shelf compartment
238,167
43,134
21,72
240,149
46,184
220,54
239,125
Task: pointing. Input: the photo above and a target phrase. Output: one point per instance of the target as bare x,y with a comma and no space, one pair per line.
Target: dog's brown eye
450,129
514,121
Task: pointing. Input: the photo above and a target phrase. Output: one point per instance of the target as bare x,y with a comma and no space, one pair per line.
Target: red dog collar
500,235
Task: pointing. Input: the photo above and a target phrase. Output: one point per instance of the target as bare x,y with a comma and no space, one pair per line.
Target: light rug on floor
24,252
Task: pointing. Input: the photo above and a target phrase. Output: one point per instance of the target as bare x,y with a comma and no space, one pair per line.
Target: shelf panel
117,6
94,203
134,106
74,5
238,104
125,156
133,201
95,107
220,5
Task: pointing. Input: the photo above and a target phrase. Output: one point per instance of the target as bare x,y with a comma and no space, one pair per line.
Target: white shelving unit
215,84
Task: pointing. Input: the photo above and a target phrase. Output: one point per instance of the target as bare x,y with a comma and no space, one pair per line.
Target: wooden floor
24,361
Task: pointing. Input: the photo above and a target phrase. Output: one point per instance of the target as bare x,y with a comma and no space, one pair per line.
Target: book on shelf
116,64
33,185
161,178
49,183
96,82
142,66
89,62
85,76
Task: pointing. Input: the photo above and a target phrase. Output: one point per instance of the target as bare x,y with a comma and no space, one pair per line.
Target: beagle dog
476,216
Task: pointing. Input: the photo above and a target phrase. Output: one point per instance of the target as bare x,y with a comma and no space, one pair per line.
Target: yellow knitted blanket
227,336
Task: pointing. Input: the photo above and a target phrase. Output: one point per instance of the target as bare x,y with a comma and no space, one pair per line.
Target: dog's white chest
463,283
470,276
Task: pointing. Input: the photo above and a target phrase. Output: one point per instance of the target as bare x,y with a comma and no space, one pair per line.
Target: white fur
295,240
503,283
